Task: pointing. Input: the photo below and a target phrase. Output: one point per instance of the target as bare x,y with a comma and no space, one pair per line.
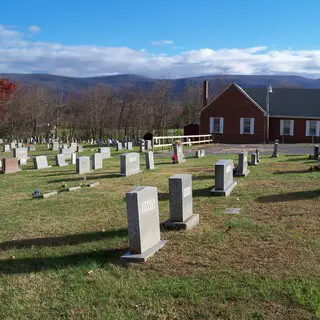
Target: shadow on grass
29,265
195,178
303,159
290,196
292,171
62,241
80,178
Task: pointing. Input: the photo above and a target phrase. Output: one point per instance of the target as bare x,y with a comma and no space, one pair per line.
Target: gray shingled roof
289,102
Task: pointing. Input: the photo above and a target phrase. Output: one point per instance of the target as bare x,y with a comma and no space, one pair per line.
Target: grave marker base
240,174
185,225
142,257
226,192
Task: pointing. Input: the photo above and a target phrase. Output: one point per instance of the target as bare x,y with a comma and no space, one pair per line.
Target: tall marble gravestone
178,151
6,148
224,183
10,165
105,152
316,152
41,162
129,163
73,146
181,207
148,144
142,145
275,150
258,155
119,146
83,165
73,158
61,160
66,152
97,161
143,224
149,160
242,169
254,161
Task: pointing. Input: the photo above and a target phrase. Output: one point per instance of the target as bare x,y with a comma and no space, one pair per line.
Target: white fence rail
167,141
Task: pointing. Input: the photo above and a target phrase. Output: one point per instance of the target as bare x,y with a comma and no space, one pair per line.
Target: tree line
99,112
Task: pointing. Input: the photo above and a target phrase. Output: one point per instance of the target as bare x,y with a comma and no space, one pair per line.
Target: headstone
31,148
200,153
83,165
97,161
130,163
66,152
149,160
316,152
10,165
119,146
258,155
181,207
178,151
6,148
254,161
20,153
73,158
73,147
65,146
40,162
148,144
20,145
143,224
61,160
55,146
105,152
12,145
129,145
275,150
142,146
108,143
242,169
189,142
79,148
224,183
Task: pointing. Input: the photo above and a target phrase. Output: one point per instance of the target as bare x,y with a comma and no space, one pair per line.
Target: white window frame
212,125
291,133
308,128
251,126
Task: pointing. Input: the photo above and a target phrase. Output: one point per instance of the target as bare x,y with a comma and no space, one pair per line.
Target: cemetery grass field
59,257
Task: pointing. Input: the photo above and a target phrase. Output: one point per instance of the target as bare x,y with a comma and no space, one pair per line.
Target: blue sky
157,38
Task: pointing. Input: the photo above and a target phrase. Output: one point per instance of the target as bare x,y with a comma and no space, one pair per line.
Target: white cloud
20,54
161,42
34,29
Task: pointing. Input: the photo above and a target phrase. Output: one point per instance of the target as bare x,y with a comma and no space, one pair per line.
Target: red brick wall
233,105
299,131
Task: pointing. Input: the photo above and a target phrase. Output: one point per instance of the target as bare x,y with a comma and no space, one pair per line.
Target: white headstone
130,163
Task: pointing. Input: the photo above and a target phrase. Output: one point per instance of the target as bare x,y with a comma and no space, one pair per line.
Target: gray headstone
61,160
224,183
20,145
73,158
12,145
97,161
178,151
148,144
143,223
20,153
40,162
119,146
200,153
275,150
79,148
149,160
130,163
66,152
242,169
181,207
316,152
105,152
254,161
6,148
31,148
129,145
83,165
55,146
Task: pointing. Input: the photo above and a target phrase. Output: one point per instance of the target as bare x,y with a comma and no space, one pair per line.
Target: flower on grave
63,186
174,158
36,192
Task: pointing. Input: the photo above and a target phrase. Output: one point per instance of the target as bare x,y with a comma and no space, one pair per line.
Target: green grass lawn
60,257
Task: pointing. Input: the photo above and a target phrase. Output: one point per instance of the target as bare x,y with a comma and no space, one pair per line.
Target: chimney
205,94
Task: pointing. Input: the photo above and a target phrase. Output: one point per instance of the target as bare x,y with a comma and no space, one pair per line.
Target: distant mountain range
75,85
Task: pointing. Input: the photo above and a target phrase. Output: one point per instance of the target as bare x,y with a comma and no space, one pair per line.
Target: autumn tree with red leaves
6,89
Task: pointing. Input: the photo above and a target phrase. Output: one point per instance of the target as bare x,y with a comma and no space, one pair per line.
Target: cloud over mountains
20,53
